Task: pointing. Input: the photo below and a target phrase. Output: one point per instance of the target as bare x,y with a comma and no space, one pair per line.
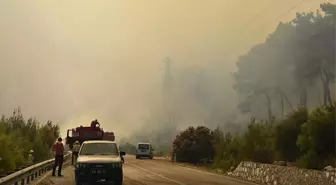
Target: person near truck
94,123
58,149
75,150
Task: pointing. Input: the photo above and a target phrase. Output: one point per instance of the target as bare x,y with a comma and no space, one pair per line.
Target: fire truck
109,136
93,132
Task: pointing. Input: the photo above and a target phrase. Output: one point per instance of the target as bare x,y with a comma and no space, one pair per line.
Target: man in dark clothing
94,123
58,148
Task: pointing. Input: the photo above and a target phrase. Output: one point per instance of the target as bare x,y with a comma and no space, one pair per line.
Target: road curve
154,172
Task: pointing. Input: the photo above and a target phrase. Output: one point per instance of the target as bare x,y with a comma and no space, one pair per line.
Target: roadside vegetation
304,139
18,136
282,78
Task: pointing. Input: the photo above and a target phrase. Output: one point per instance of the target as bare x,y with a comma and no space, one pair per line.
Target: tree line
294,66
280,77
18,136
305,139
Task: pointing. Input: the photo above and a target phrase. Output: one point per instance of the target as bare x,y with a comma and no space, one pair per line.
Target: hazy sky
73,61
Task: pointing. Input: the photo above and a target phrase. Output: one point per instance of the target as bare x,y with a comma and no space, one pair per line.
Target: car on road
99,162
144,150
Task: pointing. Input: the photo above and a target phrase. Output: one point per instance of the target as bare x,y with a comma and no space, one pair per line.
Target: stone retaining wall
282,175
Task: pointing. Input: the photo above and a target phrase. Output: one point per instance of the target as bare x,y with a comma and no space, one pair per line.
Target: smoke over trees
291,67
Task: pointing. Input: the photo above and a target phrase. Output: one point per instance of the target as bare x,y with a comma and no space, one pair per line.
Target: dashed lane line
156,174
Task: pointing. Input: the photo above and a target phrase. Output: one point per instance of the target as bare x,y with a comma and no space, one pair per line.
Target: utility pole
167,85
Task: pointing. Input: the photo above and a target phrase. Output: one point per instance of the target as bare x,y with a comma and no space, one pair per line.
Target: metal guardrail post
30,173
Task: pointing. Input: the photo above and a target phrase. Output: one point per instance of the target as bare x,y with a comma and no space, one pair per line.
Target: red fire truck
94,132
109,136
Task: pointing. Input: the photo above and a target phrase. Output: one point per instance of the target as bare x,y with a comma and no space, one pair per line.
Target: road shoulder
205,170
68,178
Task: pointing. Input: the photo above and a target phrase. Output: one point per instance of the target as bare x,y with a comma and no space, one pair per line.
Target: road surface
153,172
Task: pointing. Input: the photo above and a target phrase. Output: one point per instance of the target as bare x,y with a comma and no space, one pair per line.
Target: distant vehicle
144,150
99,162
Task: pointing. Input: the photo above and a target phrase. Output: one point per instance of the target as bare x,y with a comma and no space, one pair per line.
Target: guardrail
25,176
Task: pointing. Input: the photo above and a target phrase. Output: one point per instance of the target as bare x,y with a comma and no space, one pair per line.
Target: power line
256,16
167,88
278,19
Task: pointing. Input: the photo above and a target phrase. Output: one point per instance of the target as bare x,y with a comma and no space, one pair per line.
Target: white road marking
159,175
217,175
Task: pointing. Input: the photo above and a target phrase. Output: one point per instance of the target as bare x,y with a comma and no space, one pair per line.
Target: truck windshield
143,146
99,149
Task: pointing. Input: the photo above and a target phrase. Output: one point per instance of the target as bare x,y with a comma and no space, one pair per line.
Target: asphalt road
153,172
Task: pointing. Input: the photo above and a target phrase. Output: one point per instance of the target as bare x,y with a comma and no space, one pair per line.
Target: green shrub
194,145
286,135
18,137
307,138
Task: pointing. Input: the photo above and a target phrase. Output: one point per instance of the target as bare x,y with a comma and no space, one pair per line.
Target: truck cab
99,162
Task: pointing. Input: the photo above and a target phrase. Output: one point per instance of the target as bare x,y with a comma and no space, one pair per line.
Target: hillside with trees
280,83
294,67
18,136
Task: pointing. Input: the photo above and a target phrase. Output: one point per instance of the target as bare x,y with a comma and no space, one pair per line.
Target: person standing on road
75,150
122,158
58,148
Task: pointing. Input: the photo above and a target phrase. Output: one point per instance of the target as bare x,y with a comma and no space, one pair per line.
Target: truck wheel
119,181
137,157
